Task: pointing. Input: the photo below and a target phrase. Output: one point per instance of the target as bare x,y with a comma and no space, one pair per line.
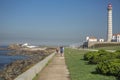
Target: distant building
27,46
112,39
116,38
91,39
101,40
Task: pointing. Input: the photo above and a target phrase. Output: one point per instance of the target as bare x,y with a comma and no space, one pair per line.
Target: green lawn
79,69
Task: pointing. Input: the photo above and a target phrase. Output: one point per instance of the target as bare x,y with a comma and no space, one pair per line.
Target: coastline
35,55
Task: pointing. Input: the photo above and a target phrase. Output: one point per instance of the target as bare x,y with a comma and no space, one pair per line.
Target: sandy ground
55,70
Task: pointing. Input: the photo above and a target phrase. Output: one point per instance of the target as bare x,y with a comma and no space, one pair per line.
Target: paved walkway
55,70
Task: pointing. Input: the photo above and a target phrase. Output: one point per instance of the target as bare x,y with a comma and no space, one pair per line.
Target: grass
79,69
36,77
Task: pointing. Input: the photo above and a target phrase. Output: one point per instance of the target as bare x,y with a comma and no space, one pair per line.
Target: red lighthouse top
109,6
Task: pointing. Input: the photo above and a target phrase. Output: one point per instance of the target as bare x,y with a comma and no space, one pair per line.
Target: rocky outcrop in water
15,68
14,46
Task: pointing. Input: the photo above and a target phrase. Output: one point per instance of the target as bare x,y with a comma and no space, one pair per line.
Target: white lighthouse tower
109,24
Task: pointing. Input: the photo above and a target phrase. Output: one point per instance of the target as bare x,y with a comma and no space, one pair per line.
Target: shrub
101,51
94,58
117,52
118,75
110,67
89,55
102,57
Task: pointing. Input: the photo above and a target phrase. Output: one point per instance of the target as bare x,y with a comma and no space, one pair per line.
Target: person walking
57,50
62,51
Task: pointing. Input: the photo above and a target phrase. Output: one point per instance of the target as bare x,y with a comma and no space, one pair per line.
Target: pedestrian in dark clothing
62,50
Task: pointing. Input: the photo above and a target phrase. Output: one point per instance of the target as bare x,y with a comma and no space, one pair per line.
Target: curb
31,73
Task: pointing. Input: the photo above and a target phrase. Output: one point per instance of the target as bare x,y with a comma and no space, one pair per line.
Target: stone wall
102,44
31,73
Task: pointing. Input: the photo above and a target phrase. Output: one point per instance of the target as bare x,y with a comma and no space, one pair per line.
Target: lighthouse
109,24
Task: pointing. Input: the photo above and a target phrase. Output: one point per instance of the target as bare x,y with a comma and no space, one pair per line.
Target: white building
27,46
91,39
101,40
116,37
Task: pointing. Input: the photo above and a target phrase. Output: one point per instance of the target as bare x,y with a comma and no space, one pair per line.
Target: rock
17,67
14,46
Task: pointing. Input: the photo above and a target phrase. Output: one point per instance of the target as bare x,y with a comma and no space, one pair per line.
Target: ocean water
6,59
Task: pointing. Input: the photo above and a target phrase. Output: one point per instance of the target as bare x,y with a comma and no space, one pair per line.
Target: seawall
100,44
31,73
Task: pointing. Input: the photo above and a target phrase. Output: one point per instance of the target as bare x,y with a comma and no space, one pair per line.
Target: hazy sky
55,21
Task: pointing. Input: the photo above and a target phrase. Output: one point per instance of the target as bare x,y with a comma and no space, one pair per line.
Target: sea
6,59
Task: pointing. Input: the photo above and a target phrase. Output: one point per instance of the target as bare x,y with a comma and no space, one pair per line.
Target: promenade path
55,70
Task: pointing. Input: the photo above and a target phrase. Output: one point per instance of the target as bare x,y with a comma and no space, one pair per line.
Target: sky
55,22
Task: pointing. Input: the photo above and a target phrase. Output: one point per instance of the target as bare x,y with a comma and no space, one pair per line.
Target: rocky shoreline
15,68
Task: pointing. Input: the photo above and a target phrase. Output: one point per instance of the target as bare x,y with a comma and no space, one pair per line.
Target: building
112,39
91,39
116,37
109,24
27,46
101,40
